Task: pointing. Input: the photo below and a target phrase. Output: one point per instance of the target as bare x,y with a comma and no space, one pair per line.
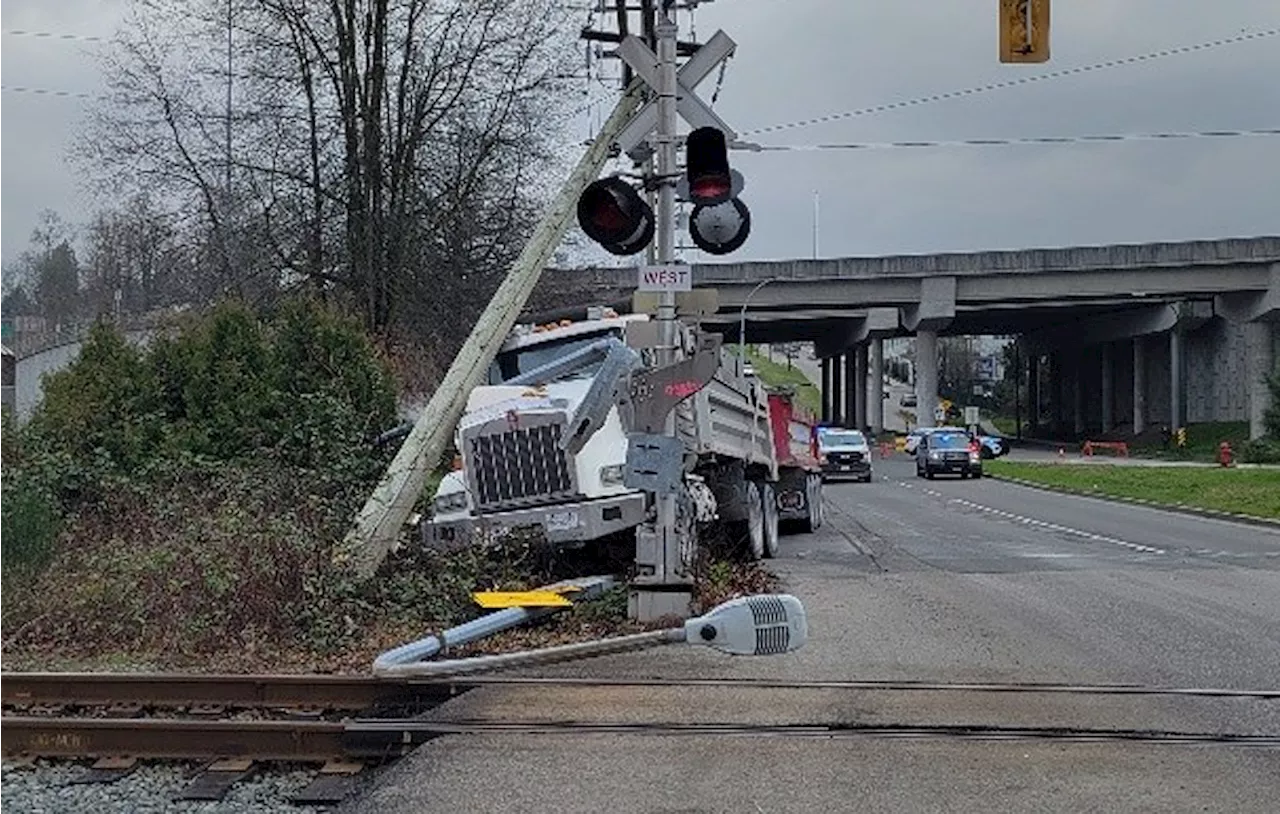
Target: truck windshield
841,438
512,363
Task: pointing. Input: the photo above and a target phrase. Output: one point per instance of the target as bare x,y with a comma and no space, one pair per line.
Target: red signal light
614,215
707,160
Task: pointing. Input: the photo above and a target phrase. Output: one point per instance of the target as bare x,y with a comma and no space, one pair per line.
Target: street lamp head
759,625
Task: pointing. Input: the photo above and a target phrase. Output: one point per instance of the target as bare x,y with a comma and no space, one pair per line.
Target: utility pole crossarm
380,521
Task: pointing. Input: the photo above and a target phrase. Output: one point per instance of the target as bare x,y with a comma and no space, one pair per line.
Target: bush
31,526
1260,451
187,497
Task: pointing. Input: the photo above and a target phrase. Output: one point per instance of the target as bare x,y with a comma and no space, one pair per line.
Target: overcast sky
800,59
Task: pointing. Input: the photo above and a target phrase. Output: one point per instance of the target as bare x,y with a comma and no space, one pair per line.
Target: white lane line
1031,521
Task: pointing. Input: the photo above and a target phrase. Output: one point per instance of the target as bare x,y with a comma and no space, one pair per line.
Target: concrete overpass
1073,304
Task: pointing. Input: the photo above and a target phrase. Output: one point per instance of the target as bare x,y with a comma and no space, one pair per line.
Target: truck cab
513,472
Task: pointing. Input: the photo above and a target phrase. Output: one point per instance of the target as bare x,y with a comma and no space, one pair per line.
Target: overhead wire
18,32
1009,83
1002,142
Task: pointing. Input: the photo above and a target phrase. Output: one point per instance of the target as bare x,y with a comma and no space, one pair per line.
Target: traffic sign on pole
1024,31
665,278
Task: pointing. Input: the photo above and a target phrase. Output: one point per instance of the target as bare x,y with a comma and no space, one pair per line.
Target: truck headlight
935,455
611,475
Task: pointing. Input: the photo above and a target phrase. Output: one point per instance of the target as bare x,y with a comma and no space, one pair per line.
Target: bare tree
136,261
379,150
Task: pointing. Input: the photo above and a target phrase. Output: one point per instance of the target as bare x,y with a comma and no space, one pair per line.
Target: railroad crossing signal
1024,31
719,223
612,213
692,109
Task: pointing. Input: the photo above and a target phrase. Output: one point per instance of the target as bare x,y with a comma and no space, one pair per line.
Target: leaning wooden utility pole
383,517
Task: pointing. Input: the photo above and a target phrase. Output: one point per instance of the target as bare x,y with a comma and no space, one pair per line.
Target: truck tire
769,501
812,504
754,543
819,508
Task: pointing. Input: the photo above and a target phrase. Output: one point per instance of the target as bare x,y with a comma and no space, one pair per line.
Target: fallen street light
757,625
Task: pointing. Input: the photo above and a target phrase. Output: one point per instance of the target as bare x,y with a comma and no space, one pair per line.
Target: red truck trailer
799,489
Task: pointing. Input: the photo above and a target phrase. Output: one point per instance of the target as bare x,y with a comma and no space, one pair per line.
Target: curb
1213,514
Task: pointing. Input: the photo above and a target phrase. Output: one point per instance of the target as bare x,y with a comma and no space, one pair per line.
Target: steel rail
334,692
875,685
355,692
385,739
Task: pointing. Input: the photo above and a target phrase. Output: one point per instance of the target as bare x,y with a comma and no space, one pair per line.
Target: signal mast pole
666,31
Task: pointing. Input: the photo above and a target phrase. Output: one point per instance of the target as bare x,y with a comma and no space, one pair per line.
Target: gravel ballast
48,787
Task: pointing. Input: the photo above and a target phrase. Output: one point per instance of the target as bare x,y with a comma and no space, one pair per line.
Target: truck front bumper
853,469
562,523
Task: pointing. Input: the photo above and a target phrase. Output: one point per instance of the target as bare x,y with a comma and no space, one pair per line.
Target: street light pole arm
742,324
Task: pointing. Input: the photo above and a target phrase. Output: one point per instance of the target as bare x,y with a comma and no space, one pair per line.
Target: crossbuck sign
692,109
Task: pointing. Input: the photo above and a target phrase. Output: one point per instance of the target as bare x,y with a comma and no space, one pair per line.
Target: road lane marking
1033,522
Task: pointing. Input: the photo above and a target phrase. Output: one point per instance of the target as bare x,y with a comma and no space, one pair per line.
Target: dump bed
730,418
793,431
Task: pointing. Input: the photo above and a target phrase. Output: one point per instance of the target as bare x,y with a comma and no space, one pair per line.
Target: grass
1007,426
774,374
1254,492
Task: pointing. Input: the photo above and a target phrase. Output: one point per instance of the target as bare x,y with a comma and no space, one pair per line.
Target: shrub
189,495
1260,451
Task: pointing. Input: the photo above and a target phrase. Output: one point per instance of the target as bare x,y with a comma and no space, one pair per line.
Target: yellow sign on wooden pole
1024,31
523,599
520,599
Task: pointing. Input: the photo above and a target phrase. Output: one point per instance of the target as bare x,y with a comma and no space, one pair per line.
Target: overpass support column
861,391
826,388
926,377
876,405
1176,382
851,388
1261,364
1058,392
1033,392
837,392
1108,387
1139,385
1077,393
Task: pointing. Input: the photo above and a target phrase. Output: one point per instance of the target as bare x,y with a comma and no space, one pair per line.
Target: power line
1009,83
1003,142
67,94
49,35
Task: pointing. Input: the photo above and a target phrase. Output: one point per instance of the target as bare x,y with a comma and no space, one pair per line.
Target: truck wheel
754,543
809,522
769,501
816,515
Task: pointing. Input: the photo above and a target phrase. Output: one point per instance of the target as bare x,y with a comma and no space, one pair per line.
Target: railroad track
347,722
230,722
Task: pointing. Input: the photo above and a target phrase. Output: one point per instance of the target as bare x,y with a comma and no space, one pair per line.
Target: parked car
948,450
844,453
993,446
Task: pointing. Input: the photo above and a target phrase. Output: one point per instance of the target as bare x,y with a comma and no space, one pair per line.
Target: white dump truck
543,444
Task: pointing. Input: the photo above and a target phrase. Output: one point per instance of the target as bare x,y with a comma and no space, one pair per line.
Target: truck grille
844,457
519,466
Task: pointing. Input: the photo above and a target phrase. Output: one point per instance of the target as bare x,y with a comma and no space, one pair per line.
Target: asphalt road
948,581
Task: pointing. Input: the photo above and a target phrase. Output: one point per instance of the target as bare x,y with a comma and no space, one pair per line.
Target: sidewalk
1073,456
